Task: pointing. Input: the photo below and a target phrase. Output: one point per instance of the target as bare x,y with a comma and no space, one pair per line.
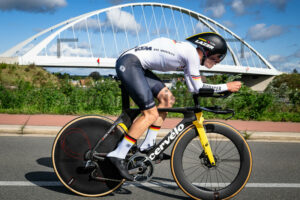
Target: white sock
123,147
150,137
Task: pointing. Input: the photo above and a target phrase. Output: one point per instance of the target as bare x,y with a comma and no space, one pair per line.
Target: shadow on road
40,176
161,185
46,161
163,188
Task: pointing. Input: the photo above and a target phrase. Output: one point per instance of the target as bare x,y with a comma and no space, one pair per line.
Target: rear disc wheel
69,151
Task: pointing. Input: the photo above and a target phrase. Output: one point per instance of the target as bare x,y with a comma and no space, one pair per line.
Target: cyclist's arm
194,83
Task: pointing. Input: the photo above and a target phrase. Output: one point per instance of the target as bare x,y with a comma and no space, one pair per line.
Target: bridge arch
95,39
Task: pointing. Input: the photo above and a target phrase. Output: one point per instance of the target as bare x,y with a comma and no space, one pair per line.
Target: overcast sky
272,27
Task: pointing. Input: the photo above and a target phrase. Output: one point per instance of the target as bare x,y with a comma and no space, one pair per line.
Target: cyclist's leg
162,93
132,76
166,100
142,86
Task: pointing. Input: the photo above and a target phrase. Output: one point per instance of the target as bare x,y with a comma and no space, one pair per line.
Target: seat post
195,97
125,98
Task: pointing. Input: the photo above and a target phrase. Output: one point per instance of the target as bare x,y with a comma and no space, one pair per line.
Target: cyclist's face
212,60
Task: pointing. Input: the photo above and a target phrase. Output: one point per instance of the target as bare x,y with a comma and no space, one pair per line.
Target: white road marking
149,184
28,183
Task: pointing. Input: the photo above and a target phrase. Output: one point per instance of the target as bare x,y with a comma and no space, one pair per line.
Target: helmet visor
221,56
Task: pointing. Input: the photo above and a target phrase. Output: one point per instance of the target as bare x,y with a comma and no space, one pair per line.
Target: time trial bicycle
209,159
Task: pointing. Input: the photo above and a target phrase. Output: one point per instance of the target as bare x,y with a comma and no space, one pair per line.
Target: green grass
32,90
11,74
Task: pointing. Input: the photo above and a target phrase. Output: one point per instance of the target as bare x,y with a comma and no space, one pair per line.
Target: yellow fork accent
203,138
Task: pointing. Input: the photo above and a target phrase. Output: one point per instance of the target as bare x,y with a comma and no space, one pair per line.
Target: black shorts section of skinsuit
142,85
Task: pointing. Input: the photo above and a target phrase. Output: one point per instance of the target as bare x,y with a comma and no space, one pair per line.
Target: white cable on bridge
210,26
74,37
88,34
101,35
46,53
160,22
246,58
253,62
116,45
163,12
178,38
226,37
146,23
137,34
151,19
236,48
128,46
186,35
194,31
157,30
260,62
61,51
257,59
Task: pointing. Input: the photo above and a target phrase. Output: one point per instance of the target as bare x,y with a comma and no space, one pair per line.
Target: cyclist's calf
151,115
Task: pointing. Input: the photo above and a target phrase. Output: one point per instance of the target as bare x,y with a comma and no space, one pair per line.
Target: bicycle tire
69,148
224,141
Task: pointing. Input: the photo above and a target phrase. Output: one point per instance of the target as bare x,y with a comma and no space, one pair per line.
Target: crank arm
98,178
136,170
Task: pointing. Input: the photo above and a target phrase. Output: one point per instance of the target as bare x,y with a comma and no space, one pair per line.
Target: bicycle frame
87,151
192,116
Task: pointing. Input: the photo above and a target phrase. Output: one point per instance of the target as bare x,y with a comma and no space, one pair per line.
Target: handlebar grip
209,92
206,92
224,94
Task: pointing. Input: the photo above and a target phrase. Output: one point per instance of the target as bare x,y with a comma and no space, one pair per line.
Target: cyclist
163,54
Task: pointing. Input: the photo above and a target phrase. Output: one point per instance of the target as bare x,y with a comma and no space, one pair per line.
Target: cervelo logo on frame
167,141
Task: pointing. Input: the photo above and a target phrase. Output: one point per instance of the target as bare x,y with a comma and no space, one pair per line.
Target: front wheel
191,168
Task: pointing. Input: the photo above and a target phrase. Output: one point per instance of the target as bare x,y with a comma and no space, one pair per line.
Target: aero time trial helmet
210,43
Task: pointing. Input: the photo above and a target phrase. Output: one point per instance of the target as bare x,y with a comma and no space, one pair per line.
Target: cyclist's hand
234,86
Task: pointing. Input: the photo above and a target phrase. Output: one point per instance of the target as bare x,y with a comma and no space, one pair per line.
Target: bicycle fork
203,138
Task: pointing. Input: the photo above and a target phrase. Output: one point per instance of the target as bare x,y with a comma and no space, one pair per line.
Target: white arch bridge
96,39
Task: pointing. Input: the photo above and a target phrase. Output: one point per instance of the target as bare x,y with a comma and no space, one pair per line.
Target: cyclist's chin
207,65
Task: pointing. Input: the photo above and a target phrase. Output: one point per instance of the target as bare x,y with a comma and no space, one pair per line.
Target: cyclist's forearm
217,88
194,84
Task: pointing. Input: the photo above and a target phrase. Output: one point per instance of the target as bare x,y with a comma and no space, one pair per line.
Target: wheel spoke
200,175
228,151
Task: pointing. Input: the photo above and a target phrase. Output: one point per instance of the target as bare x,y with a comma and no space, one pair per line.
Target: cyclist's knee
166,98
172,100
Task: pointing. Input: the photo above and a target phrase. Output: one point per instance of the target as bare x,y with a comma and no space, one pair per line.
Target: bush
104,97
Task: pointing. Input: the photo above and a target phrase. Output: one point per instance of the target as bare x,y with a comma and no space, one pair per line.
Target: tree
95,75
295,71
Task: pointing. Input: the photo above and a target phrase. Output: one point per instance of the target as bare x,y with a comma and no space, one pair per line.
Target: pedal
90,165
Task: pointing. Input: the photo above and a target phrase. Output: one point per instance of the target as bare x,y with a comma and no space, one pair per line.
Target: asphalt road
26,173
